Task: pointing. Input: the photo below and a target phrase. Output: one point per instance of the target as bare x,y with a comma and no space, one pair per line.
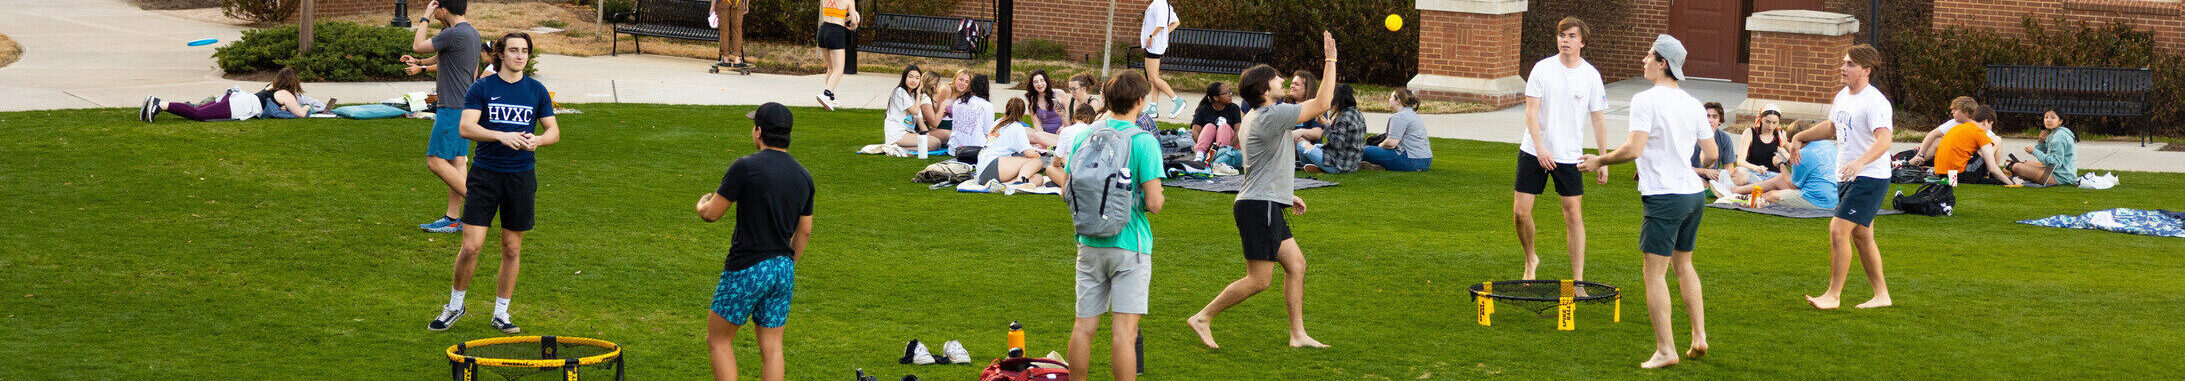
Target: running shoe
149,110
955,352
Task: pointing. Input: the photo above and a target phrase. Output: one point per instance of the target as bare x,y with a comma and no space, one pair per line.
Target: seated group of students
1967,144
957,119
1966,141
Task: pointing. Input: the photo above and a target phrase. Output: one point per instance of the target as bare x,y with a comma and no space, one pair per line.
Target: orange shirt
1958,146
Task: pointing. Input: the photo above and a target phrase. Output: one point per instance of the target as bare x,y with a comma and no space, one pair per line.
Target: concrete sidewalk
75,56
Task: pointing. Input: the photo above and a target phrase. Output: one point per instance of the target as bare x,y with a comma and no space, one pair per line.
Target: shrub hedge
1937,65
260,10
341,52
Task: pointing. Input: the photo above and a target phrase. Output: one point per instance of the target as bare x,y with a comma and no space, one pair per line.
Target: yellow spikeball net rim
613,352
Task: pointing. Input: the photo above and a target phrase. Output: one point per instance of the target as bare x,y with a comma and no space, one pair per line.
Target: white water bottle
923,140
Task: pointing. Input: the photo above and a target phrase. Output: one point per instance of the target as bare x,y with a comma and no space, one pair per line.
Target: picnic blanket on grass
2159,223
1785,211
1232,184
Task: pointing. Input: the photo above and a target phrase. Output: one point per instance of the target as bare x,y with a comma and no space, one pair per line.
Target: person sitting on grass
1763,145
1081,89
1810,184
904,125
1212,125
1969,145
1345,137
1010,156
2057,150
1406,147
1047,108
972,116
1304,85
1725,144
279,100
1961,112
1081,117
772,194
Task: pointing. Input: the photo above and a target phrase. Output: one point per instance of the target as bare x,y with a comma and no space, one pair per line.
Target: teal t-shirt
1145,165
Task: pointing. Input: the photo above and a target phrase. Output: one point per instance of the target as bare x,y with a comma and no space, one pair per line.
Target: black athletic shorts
833,36
1153,56
1262,227
1860,199
1533,180
510,194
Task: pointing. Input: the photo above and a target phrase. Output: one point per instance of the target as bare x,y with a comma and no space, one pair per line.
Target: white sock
500,308
455,299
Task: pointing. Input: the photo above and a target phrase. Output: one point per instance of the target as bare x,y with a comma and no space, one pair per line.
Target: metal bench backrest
683,13
1225,45
2088,91
917,29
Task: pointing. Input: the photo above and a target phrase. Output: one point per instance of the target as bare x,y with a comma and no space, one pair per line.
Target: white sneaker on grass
446,320
501,323
955,352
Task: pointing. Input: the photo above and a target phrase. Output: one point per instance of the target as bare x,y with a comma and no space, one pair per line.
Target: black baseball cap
771,115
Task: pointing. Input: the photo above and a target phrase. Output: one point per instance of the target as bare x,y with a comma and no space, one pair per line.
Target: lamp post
402,14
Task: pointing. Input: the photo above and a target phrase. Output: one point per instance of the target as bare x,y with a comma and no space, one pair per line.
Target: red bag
1020,369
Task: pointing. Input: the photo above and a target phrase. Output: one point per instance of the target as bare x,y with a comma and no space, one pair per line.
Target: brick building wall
1468,45
1617,51
1793,66
1074,23
2165,18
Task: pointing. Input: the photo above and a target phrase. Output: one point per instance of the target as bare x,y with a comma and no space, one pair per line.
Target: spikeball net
1542,296
534,358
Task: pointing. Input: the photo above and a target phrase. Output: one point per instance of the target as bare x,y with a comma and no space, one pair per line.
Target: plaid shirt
1346,142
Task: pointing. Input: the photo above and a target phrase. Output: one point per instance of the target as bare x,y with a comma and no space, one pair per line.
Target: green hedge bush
1937,65
260,10
341,52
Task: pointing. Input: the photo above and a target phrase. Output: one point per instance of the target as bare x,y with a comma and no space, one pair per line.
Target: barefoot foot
1699,349
1660,360
1826,303
1204,326
1300,340
1876,302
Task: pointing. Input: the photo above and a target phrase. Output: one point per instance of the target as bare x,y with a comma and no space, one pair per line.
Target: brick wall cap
1799,21
1484,7
1508,85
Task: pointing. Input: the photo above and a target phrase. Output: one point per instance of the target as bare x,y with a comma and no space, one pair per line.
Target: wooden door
1713,32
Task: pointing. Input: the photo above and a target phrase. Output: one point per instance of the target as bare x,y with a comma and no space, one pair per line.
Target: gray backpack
1100,195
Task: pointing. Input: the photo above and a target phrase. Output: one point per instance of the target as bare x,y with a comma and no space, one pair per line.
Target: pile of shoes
952,352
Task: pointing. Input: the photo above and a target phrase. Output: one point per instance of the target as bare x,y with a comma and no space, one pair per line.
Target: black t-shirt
1207,114
772,192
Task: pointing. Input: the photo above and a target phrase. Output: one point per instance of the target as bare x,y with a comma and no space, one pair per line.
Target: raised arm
1319,104
419,42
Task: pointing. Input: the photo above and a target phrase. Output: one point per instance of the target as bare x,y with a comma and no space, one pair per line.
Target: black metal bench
680,19
1210,51
921,36
2074,91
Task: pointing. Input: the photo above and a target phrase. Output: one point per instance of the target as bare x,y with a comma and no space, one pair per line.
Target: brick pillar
1468,51
1795,55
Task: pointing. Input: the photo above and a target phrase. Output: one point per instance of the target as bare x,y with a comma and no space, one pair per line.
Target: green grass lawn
289,249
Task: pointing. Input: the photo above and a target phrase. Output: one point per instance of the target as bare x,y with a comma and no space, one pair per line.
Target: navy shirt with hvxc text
507,107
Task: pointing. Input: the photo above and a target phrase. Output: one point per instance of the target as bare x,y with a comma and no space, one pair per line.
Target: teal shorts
447,134
757,294
1672,223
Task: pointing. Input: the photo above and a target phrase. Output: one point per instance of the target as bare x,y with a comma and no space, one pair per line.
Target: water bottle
1016,339
922,142
1953,178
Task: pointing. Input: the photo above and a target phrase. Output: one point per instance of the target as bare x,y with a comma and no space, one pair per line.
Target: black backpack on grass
1934,199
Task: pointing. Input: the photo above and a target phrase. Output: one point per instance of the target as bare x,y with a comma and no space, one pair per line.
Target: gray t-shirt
1270,154
1405,125
458,51
1725,151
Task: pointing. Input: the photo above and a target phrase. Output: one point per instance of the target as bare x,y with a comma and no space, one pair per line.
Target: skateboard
744,69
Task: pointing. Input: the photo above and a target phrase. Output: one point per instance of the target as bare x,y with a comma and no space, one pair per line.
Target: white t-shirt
1012,142
1674,123
899,117
1063,150
1158,15
1856,117
1568,99
971,119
